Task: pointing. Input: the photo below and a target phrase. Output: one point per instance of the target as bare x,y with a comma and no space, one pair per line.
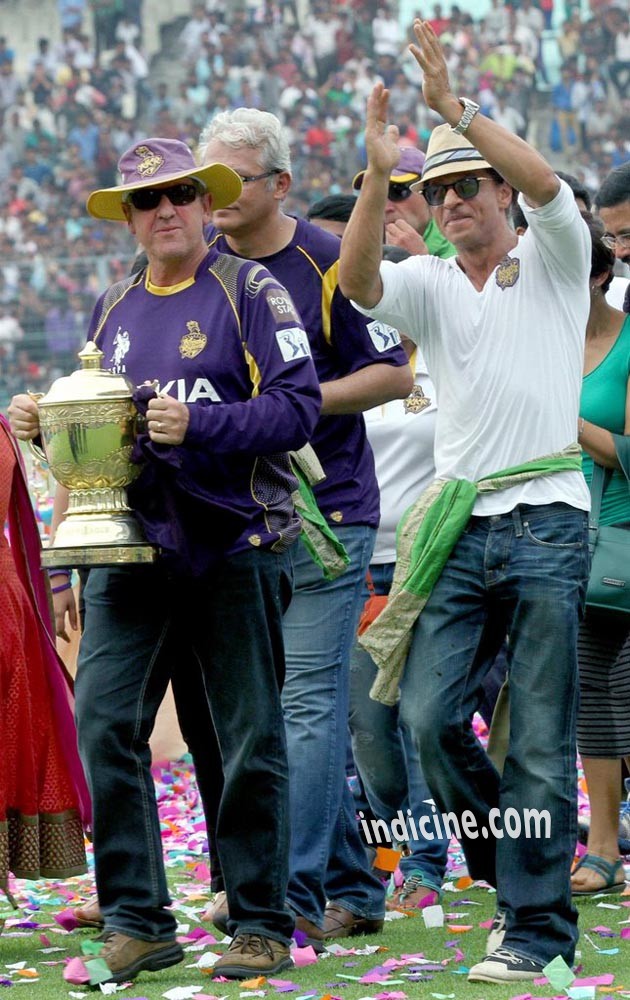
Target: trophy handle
37,449
38,452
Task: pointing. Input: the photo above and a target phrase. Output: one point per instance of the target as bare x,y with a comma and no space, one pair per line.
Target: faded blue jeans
388,761
523,574
328,859
228,628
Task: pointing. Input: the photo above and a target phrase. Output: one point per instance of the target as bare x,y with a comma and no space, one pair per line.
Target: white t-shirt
402,434
506,361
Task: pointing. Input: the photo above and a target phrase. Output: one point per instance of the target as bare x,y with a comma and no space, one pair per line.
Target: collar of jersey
167,289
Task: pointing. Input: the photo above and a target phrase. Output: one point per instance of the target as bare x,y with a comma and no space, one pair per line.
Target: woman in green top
604,646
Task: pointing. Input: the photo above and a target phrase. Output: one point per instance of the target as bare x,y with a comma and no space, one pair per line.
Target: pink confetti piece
76,973
304,956
67,920
606,979
625,932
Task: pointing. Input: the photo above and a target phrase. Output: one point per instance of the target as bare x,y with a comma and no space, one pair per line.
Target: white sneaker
504,966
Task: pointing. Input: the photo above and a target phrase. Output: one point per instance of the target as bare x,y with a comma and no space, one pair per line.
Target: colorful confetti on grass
44,908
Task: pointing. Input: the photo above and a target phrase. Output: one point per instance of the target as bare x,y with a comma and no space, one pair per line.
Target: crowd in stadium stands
66,118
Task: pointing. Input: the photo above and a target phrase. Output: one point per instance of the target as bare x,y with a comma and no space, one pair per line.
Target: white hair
254,129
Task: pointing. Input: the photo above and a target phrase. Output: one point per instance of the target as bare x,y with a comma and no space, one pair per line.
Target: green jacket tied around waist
426,536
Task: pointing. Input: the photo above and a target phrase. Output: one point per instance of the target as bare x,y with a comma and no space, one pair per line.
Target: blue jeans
523,574
229,628
328,859
388,761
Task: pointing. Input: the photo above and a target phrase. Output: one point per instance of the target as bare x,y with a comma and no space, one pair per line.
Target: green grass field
454,948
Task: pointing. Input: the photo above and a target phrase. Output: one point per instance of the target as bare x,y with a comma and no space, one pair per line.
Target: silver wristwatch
470,110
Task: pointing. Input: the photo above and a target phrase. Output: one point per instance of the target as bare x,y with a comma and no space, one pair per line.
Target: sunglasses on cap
398,192
465,188
147,198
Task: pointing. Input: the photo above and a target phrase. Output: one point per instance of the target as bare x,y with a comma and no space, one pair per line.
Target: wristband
59,572
61,587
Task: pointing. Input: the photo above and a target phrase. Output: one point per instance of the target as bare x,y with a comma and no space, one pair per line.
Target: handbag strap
599,482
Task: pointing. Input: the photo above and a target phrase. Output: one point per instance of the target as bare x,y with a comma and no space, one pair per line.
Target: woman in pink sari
44,801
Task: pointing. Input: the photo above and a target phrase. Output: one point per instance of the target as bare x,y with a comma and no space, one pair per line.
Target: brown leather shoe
307,927
89,915
339,922
253,955
125,956
218,912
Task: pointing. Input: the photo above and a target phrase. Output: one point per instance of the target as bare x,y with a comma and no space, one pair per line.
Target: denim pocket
553,532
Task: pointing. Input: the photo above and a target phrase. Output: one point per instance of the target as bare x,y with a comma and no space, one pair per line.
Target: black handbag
608,591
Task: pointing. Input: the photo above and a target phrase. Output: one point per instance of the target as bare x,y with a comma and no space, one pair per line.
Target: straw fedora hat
449,153
152,162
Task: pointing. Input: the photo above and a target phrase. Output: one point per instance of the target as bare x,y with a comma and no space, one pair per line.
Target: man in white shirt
502,328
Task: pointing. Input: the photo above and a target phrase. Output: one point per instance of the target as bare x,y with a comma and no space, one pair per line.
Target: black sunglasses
259,177
399,192
147,198
465,188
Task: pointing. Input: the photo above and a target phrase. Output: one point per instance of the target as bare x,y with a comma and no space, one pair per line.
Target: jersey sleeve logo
383,337
281,304
293,343
193,342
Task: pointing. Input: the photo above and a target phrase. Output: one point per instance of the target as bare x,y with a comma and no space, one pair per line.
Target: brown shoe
218,913
253,955
89,915
307,927
125,956
339,922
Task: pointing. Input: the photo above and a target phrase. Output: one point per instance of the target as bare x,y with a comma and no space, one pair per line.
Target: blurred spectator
11,333
69,109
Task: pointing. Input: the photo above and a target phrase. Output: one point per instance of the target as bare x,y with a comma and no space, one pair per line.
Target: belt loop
518,524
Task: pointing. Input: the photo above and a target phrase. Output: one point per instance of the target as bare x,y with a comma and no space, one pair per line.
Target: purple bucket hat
152,162
407,170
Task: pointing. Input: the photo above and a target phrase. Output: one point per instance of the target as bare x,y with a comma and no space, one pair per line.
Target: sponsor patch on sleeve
281,304
383,337
293,343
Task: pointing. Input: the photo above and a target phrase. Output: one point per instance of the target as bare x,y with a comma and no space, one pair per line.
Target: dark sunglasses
399,192
465,188
147,198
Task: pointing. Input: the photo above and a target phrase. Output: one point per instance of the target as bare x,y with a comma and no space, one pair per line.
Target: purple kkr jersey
229,344
342,341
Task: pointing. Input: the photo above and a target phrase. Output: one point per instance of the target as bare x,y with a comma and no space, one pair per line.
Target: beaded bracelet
61,587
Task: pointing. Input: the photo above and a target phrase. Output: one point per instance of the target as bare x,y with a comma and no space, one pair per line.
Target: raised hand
381,139
429,55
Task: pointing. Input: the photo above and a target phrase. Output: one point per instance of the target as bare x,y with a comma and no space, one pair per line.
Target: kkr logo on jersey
383,337
193,342
293,343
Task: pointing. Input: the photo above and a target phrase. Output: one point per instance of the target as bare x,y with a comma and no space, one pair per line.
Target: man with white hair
360,364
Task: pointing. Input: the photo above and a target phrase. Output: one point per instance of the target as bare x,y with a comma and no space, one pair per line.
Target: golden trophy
88,425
